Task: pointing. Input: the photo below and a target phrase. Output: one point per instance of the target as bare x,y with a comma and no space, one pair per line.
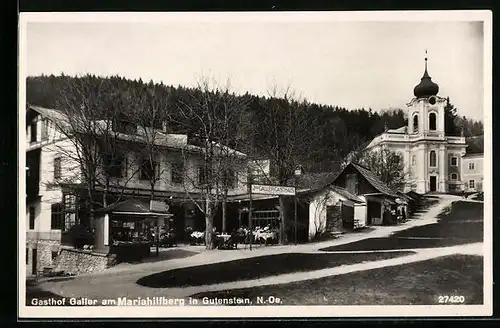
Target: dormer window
124,127
432,122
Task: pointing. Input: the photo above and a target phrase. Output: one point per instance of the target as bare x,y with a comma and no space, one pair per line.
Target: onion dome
426,87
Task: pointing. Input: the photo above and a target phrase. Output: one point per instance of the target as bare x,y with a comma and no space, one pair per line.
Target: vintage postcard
270,164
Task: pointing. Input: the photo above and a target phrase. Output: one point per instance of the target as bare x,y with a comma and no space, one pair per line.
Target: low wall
76,261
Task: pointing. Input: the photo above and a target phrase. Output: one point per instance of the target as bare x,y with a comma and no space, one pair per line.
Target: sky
353,64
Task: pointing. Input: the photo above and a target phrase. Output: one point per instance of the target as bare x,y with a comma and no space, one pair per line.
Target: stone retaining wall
45,248
82,261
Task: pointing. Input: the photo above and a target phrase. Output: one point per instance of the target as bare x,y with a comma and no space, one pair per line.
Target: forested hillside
332,132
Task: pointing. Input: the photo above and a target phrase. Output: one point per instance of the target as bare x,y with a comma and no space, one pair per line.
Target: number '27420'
451,299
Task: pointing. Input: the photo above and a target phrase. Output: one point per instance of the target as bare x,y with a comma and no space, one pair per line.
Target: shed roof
373,180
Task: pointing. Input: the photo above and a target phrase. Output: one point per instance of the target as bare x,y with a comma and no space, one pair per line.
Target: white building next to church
432,159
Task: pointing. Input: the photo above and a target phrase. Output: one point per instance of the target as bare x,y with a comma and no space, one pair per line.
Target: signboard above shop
273,190
158,206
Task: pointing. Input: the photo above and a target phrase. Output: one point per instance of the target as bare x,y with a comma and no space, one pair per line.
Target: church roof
426,87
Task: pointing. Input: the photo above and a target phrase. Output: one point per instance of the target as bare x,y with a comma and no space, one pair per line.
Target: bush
80,235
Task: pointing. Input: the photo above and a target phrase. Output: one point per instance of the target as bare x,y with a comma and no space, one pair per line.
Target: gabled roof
372,179
339,190
347,194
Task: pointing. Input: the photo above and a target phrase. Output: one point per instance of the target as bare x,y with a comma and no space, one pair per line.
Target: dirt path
421,255
120,281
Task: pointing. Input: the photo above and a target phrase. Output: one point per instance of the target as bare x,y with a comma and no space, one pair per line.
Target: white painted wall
317,211
476,174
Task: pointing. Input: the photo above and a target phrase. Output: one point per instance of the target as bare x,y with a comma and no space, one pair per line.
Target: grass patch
419,283
257,267
463,224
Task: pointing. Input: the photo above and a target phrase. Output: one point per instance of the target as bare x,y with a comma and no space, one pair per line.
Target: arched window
432,121
415,123
432,159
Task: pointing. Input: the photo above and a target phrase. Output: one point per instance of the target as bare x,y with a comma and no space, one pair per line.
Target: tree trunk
224,212
209,223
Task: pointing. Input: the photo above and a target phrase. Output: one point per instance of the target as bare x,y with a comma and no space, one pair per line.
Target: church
432,160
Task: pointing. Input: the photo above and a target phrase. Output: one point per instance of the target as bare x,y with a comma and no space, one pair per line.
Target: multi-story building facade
472,172
432,160
53,173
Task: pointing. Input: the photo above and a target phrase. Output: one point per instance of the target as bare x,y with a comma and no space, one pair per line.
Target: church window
432,121
453,161
432,159
413,160
415,123
454,176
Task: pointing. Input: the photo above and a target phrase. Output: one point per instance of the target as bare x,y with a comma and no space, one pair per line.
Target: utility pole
157,236
295,213
250,213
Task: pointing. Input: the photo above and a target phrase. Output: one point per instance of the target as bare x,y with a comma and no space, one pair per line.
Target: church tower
432,160
426,110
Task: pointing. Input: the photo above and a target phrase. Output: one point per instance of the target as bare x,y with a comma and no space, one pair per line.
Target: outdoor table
224,236
264,235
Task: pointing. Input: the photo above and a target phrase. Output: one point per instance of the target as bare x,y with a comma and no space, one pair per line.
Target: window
45,129
27,255
472,184
202,175
453,161
432,121
69,202
433,159
33,131
57,168
454,176
397,159
54,255
124,127
413,160
230,179
114,165
32,218
471,166
149,169
57,215
178,173
415,124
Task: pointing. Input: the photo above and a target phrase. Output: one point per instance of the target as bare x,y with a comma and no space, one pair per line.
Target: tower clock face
432,100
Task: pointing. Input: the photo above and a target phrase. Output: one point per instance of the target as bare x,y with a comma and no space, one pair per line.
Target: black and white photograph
255,164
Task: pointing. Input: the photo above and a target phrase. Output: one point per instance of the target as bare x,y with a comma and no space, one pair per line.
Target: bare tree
286,139
89,111
150,114
387,165
217,123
